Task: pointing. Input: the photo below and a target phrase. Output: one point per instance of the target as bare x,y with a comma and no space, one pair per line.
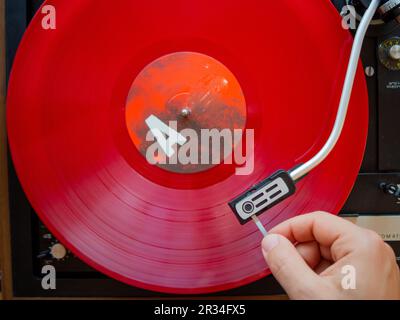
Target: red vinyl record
79,97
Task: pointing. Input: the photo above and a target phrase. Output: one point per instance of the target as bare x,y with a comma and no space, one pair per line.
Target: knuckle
390,264
373,242
374,238
389,250
390,253
321,213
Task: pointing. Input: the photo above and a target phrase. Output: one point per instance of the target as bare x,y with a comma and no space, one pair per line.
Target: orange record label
175,105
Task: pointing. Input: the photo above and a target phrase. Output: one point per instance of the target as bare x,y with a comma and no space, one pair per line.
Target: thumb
289,268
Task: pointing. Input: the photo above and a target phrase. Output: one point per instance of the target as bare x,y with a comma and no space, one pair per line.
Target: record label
184,94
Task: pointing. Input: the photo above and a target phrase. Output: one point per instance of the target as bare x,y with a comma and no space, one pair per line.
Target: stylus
259,225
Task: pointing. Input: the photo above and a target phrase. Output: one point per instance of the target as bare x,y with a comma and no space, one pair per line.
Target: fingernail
270,242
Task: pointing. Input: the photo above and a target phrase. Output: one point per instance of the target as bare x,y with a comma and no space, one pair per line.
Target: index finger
322,227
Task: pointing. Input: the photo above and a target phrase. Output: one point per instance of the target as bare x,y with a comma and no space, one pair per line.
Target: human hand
324,244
